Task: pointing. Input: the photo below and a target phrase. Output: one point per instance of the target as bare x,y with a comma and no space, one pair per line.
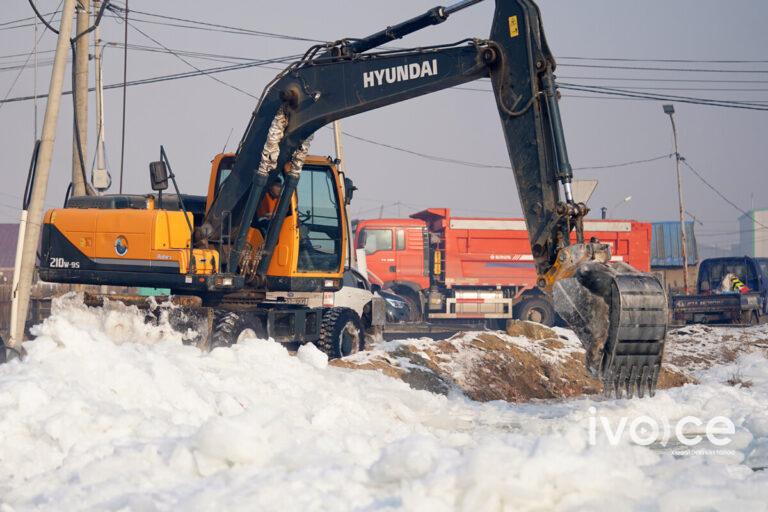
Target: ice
108,413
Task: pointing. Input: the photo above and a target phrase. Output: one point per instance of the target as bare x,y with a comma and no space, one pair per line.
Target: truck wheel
340,333
750,318
536,309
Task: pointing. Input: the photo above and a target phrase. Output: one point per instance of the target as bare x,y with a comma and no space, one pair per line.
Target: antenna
224,149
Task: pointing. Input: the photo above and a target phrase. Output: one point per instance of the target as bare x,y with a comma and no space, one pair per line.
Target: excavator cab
312,241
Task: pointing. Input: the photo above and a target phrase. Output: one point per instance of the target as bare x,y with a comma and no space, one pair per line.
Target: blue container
666,245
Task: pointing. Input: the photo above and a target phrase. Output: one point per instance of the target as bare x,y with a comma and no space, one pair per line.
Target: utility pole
670,111
80,126
125,81
40,185
100,177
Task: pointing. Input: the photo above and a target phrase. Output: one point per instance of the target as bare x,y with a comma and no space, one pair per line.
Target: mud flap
620,315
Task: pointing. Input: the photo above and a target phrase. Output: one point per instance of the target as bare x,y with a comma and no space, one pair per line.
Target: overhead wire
185,61
670,61
26,62
717,191
219,27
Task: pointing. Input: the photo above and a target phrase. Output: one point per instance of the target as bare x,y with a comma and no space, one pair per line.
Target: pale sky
193,117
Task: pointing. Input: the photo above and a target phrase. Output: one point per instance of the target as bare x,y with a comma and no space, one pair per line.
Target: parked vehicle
714,303
451,268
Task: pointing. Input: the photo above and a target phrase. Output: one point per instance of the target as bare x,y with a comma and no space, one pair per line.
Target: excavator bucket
620,315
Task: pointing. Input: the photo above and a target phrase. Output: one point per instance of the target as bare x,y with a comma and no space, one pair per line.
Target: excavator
288,277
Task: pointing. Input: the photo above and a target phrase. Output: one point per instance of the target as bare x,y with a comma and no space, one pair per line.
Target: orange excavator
289,278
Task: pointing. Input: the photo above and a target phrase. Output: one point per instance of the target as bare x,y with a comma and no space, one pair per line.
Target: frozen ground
109,414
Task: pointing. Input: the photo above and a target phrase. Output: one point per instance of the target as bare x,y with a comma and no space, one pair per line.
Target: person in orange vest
732,283
269,202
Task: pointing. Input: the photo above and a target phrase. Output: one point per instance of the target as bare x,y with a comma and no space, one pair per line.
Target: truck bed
713,308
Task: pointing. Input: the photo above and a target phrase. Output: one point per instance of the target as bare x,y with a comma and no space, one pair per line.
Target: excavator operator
268,203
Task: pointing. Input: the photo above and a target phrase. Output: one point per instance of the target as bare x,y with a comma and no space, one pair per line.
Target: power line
653,68
660,79
671,61
185,61
599,88
716,191
660,97
176,76
625,164
219,27
26,62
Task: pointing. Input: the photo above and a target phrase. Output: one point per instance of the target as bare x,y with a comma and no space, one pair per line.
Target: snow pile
109,414
699,347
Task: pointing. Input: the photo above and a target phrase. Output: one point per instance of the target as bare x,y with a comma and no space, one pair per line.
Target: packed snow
107,413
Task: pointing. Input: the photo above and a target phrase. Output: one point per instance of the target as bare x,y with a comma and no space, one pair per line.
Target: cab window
374,240
320,233
400,239
224,171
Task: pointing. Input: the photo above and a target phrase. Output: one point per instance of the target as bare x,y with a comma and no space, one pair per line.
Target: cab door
412,260
380,257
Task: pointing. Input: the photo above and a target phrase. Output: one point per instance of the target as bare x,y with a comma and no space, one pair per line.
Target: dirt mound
527,362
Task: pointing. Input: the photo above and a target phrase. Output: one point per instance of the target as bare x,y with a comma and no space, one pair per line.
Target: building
8,235
667,254
753,233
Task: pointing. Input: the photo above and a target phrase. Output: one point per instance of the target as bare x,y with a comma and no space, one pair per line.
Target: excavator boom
619,313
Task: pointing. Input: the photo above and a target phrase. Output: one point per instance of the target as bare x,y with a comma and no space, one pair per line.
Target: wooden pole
40,185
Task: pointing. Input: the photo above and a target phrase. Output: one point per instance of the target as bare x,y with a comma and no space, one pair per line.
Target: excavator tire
620,315
230,327
341,334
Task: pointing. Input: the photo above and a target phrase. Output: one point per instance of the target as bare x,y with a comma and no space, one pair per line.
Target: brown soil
528,362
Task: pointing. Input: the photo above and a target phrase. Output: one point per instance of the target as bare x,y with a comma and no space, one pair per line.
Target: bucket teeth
620,315
643,382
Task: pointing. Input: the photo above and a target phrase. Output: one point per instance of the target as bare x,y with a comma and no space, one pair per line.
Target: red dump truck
464,268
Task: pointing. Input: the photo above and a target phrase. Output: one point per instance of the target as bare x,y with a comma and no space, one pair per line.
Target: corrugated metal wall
666,246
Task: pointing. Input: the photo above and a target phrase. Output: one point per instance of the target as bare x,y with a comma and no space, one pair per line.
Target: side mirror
349,190
158,175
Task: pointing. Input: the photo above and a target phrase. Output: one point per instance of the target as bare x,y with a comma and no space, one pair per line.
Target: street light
622,202
604,210
670,111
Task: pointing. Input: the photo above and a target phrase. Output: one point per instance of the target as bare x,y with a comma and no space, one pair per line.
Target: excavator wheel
620,315
341,334
230,327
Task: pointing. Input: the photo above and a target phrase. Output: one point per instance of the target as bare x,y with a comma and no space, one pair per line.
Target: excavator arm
619,313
